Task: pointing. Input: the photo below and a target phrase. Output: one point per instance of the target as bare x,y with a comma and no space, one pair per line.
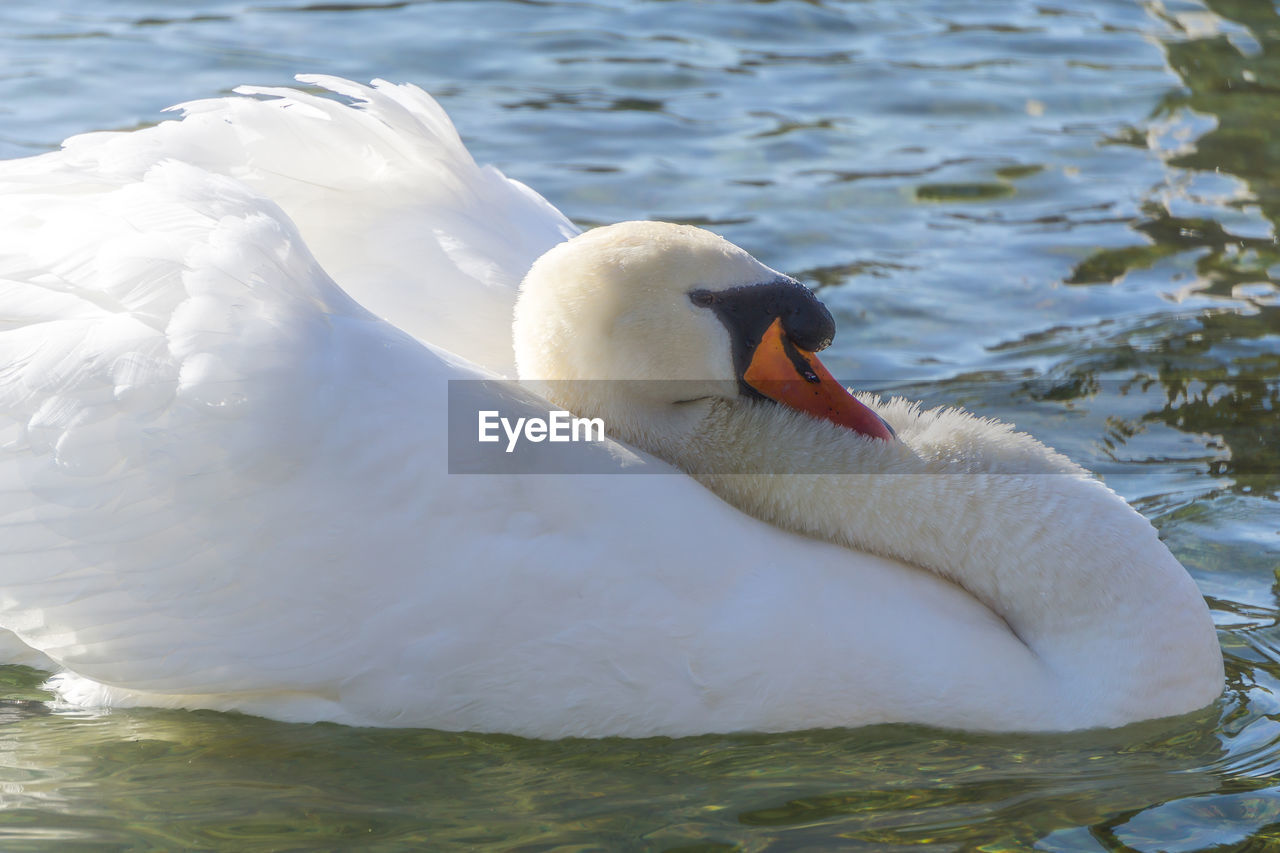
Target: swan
232,351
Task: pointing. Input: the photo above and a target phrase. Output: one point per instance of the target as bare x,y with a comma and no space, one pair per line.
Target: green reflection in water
962,192
1218,367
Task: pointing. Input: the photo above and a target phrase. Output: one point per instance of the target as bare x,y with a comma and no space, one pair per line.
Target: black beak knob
749,310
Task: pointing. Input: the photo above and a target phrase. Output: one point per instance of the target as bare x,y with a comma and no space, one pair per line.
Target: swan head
686,320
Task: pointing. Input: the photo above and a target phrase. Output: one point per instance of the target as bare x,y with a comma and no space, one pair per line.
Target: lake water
1057,213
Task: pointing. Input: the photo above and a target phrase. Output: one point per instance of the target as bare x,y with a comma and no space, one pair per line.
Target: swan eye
702,298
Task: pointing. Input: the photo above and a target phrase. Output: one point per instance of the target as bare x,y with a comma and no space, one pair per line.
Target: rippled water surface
1058,213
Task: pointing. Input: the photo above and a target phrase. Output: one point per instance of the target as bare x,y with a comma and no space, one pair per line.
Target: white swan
224,481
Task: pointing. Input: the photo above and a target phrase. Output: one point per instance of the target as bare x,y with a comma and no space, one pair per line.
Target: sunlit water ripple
1059,214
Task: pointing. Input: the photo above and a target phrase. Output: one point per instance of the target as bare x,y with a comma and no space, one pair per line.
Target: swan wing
383,192
204,438
172,359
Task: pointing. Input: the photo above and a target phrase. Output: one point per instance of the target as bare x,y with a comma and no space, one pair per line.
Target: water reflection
1219,377
266,784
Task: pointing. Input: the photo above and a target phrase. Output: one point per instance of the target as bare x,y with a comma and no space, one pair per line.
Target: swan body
227,349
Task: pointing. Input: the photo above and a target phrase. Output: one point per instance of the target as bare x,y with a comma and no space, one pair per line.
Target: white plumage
225,344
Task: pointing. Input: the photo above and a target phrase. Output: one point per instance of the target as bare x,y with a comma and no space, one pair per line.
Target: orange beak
794,377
